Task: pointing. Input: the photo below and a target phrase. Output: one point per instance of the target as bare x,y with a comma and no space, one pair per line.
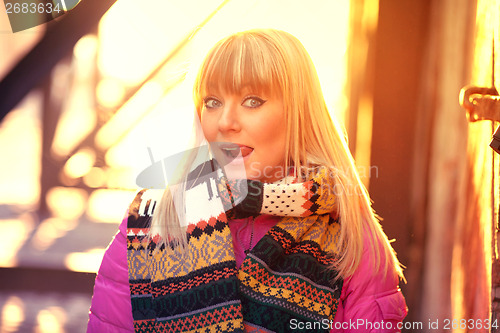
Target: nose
229,119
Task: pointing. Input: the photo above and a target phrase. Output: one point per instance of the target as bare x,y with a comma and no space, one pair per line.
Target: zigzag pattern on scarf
287,275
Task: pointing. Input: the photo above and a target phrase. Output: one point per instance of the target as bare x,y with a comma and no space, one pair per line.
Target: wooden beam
58,40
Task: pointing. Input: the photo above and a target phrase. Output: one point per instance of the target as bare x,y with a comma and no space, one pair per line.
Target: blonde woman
294,247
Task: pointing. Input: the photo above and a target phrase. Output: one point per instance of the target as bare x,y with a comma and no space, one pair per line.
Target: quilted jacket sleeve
369,301
111,309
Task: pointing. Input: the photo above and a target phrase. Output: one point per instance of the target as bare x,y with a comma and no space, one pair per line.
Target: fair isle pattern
206,274
315,196
286,276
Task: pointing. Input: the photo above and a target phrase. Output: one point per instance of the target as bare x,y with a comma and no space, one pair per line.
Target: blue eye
212,103
253,102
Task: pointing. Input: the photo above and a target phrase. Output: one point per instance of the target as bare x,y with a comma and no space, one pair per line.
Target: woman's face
249,125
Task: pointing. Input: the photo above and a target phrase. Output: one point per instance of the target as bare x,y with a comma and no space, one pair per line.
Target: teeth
231,152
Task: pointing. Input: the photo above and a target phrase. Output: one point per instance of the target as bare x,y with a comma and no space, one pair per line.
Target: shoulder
373,294
112,288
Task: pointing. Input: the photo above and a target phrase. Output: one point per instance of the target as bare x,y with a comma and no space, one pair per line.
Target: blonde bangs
237,63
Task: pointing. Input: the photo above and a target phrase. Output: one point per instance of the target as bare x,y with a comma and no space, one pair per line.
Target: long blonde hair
276,62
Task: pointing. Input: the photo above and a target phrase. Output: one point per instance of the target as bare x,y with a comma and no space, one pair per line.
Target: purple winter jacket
111,309
368,302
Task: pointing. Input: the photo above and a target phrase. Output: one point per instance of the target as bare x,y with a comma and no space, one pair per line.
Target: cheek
279,147
273,139
208,127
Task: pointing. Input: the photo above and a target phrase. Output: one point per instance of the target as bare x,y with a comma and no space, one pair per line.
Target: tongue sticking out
245,151
235,150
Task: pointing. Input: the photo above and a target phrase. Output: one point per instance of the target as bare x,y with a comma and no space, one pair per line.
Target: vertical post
397,61
51,113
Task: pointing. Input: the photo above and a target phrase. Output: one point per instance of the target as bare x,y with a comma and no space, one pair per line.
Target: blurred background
84,96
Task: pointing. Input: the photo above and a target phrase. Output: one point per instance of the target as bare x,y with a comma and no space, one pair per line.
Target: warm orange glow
110,92
74,124
9,246
109,205
370,15
96,177
84,261
121,178
12,314
473,275
124,56
66,202
20,148
167,130
78,116
51,320
129,114
128,52
80,164
364,138
86,48
51,230
135,36
364,121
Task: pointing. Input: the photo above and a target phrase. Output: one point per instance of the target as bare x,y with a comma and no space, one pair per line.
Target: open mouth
233,150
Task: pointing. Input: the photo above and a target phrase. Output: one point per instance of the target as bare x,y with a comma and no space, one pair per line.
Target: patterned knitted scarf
285,282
